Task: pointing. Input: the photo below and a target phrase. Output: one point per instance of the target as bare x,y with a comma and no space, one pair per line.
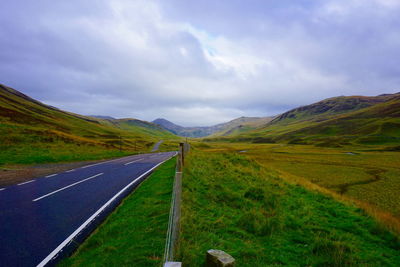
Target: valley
321,179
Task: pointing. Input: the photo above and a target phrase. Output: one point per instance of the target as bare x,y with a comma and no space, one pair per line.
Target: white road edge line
51,193
1,189
132,162
51,175
26,182
80,228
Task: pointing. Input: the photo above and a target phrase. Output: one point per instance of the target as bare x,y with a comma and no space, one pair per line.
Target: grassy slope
234,204
32,132
376,124
134,234
327,108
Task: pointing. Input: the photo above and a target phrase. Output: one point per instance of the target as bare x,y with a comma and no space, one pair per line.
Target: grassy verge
134,234
38,154
232,203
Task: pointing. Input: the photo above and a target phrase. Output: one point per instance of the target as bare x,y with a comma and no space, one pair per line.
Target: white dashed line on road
49,194
132,162
26,182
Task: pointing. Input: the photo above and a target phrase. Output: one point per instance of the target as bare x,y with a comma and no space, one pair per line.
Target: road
43,219
157,146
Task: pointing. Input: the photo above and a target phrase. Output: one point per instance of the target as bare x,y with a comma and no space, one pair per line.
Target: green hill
33,132
327,108
334,122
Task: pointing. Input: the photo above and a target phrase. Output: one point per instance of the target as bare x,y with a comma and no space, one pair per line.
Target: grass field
366,174
134,234
234,203
369,176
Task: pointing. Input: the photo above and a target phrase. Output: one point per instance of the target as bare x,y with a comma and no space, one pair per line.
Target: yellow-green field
370,177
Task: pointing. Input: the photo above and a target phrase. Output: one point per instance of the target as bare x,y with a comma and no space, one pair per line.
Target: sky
198,63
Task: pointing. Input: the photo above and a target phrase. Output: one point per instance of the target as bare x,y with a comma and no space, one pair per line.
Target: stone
219,258
172,264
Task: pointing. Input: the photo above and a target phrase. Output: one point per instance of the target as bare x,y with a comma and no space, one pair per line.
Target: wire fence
171,243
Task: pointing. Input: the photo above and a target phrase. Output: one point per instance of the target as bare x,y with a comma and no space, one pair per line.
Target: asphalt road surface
43,219
156,146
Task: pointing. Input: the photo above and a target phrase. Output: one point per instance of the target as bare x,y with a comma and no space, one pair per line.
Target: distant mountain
222,129
27,124
183,131
169,126
240,125
334,122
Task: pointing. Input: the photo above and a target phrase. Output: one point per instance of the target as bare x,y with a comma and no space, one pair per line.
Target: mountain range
222,129
26,122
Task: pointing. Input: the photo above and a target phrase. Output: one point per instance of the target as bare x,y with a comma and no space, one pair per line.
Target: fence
171,243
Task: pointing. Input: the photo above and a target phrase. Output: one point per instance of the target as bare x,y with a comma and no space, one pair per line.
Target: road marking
26,182
80,228
1,189
51,175
132,162
71,170
91,165
51,193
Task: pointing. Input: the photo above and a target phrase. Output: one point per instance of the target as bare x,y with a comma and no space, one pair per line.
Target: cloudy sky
198,62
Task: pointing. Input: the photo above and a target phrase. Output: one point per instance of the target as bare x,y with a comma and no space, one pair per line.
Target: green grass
134,234
368,176
230,202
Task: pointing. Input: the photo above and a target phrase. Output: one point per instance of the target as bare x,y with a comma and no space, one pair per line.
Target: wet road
45,218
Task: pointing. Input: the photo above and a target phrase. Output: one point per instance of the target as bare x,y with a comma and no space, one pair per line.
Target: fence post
182,152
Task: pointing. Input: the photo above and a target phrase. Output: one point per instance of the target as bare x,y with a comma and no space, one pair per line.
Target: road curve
157,146
45,218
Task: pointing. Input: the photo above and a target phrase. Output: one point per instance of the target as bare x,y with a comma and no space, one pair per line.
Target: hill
327,108
234,126
35,132
334,122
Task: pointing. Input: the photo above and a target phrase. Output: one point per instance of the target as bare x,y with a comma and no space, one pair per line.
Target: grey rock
219,258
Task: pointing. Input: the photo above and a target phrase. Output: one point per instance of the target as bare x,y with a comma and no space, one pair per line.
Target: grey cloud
198,62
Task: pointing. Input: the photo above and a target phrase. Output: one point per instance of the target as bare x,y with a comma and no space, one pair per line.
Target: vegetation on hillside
231,202
333,123
32,132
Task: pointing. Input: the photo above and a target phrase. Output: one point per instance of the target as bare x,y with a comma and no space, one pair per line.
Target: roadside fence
171,243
